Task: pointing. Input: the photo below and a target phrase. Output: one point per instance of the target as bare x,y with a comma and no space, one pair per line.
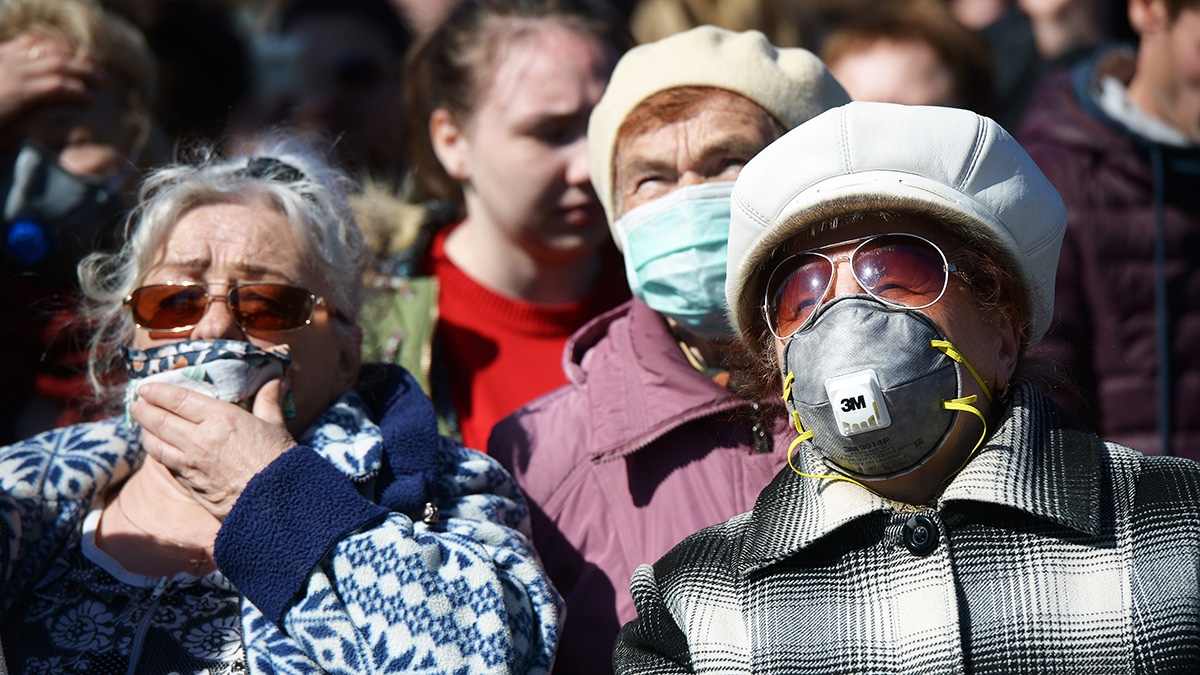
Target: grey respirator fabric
52,218
870,387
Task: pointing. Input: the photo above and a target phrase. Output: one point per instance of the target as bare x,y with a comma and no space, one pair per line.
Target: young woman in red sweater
499,96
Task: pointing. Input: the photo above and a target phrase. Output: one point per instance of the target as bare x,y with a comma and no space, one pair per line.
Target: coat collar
1036,462
636,380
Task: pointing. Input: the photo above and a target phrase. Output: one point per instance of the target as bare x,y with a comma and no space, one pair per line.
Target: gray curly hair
285,172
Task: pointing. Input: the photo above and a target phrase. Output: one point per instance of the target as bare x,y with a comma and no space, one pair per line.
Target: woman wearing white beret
891,265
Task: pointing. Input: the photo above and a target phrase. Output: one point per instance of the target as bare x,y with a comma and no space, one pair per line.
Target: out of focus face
1172,73
224,245
352,91
522,155
890,71
91,139
710,145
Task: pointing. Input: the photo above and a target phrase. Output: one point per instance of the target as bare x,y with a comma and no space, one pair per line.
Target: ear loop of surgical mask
961,404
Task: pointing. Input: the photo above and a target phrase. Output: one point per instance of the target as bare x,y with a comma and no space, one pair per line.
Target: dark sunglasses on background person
263,307
899,270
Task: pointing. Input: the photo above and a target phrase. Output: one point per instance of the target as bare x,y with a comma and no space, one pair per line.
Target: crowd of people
599,336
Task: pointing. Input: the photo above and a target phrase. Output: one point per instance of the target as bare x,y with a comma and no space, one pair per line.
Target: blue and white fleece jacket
338,571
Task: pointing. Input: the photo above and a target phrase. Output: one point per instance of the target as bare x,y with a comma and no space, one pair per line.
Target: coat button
920,535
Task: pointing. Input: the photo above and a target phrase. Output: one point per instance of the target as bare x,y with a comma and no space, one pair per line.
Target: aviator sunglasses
175,308
899,270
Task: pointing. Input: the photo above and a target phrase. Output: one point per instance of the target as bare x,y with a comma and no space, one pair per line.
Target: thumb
269,401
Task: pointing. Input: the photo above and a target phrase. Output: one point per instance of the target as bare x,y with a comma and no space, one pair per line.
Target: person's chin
566,244
583,217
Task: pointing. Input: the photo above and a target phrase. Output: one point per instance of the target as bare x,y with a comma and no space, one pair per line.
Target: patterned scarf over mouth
227,370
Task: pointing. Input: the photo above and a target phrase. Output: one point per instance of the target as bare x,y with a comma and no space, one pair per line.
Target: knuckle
176,396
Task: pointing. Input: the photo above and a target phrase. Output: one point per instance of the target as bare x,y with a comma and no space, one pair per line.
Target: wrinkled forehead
663,114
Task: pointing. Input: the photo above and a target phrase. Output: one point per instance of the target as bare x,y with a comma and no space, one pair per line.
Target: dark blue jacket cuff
285,521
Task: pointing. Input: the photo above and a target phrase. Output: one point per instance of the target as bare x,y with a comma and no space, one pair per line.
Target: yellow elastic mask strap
787,394
964,405
949,350
804,437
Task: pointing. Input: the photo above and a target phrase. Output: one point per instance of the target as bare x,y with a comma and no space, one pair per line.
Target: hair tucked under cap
790,84
954,166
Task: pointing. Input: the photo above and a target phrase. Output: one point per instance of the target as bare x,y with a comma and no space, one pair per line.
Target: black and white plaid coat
1050,553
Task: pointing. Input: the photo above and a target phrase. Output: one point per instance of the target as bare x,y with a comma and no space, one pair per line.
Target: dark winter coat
1123,313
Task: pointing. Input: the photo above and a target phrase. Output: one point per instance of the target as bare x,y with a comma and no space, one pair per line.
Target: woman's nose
217,322
844,282
578,169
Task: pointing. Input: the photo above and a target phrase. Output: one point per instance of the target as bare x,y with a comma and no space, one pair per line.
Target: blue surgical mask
675,252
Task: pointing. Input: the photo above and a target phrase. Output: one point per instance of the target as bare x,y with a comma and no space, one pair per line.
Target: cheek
90,160
539,169
144,339
978,340
141,339
528,179
315,360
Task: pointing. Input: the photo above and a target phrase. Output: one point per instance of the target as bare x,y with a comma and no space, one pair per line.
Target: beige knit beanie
791,84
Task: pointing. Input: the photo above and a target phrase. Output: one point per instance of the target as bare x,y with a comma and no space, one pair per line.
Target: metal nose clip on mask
676,250
879,389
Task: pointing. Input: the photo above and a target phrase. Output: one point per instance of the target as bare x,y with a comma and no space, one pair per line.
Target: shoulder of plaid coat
1051,552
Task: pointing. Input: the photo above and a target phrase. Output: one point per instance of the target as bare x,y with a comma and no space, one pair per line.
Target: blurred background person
204,66
1065,29
784,22
77,91
483,292
350,82
424,16
335,69
1119,136
1028,39
651,440
913,52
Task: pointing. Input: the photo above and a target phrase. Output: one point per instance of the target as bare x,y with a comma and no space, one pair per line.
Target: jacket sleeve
365,589
653,642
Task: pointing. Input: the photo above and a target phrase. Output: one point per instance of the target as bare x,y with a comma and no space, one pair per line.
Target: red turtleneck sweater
500,352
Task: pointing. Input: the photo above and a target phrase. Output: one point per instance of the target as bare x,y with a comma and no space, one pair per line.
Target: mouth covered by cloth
227,370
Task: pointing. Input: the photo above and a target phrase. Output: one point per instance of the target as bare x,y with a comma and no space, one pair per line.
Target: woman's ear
1008,352
450,144
1148,16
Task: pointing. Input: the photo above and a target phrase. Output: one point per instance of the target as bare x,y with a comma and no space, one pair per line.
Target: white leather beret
960,168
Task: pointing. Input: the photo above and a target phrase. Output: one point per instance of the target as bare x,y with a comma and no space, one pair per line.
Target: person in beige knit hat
649,441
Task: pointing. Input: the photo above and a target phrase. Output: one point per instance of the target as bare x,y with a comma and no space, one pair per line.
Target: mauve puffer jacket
1106,327
637,452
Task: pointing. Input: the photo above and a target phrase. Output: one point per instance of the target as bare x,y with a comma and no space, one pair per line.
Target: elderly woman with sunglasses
265,504
891,265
